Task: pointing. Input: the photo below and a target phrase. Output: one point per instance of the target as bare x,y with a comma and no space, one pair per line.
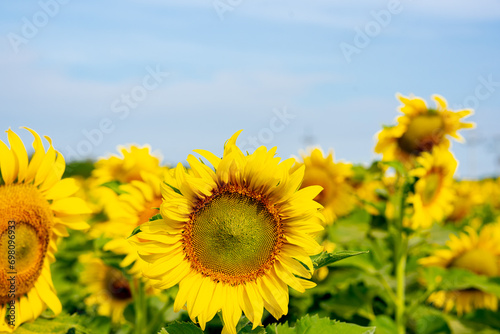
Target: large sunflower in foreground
337,196
233,238
36,207
420,129
433,196
478,253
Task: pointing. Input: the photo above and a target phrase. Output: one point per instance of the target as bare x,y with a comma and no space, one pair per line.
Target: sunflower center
479,261
432,185
422,134
25,230
117,285
233,237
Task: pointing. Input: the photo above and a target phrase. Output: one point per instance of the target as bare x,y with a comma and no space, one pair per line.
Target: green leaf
384,325
115,186
317,325
181,328
461,279
61,324
397,165
325,258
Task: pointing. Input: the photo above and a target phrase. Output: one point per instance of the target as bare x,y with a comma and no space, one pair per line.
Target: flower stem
401,284
140,307
152,328
400,256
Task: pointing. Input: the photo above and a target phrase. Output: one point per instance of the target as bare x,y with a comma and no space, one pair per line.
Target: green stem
401,284
400,256
153,327
140,306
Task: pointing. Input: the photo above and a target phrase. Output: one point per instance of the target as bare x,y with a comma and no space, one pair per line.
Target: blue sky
75,70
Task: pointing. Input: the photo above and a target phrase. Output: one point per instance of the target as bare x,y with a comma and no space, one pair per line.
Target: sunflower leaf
398,167
460,279
315,324
325,258
115,186
181,328
61,324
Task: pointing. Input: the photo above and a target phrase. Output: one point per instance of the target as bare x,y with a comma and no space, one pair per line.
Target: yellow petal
7,164
63,188
70,206
46,164
17,146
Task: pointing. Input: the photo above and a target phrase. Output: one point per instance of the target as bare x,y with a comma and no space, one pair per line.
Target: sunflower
420,129
36,207
108,287
138,202
433,196
468,195
128,167
490,192
233,238
337,197
478,253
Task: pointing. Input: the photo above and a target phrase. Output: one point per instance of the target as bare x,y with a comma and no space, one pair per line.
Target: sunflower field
249,242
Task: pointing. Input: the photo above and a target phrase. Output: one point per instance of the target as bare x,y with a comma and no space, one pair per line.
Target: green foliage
79,168
62,324
315,324
460,279
181,328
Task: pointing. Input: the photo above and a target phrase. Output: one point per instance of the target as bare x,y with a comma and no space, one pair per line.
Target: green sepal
135,231
325,258
174,188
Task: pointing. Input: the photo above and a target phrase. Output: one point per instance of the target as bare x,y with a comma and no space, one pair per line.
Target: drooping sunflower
108,287
478,253
337,196
433,196
139,202
233,237
36,207
420,129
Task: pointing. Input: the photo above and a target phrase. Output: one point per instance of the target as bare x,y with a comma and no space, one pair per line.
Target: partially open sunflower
36,207
233,237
